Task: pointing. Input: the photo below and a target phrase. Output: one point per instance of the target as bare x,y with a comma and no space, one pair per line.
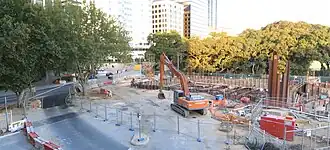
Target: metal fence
314,134
3,122
300,79
308,139
200,130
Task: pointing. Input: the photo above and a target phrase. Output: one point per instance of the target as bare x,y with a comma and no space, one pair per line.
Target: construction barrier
107,83
35,140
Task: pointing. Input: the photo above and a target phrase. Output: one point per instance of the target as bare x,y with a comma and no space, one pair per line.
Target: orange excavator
183,101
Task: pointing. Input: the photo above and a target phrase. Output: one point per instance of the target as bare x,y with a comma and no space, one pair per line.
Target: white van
16,126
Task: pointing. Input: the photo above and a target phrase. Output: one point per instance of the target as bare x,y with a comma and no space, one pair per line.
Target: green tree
249,52
95,37
169,42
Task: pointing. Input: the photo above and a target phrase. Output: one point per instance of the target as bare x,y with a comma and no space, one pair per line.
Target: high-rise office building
198,17
142,27
45,2
121,10
167,15
186,22
213,14
135,16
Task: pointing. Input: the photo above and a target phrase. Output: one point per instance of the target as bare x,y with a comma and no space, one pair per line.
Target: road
16,141
12,98
62,91
73,132
68,130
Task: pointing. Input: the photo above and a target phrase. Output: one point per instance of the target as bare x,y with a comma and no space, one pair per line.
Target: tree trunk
18,99
83,89
253,68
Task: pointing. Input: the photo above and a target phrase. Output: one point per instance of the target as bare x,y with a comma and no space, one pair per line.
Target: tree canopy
59,37
299,42
169,42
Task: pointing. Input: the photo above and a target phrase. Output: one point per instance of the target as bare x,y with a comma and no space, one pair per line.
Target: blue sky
236,15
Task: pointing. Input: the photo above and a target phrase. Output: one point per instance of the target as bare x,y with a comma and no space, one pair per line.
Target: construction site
278,112
192,111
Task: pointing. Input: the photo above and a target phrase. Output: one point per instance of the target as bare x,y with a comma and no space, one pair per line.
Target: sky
234,16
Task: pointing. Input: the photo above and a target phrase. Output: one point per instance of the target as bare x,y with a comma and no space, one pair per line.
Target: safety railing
309,133
149,123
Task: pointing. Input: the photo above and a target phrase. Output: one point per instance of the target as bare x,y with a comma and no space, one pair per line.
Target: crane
183,101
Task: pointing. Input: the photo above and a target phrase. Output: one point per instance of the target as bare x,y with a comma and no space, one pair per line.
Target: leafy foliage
35,39
300,43
169,42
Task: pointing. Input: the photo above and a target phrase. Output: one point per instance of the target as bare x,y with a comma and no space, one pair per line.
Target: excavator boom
164,60
183,102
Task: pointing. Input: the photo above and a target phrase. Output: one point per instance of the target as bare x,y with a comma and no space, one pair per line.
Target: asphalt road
70,131
16,141
11,97
73,132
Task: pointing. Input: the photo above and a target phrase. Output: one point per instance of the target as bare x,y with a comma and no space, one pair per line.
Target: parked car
108,74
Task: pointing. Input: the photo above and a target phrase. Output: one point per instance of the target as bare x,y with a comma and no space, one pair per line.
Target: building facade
186,20
198,17
142,24
135,17
167,15
213,14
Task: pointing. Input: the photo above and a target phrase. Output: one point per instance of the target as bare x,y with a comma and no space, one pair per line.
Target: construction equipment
220,101
148,71
225,115
183,101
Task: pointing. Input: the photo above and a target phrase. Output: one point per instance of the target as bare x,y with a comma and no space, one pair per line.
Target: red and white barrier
37,141
51,146
107,83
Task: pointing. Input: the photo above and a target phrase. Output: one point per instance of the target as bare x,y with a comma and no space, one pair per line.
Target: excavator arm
183,79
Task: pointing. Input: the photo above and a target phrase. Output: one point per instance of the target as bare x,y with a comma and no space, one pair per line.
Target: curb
35,140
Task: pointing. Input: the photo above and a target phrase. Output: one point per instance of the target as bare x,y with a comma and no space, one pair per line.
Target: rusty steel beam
278,90
270,68
285,83
274,76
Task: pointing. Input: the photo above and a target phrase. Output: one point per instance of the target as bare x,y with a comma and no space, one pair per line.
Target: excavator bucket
161,95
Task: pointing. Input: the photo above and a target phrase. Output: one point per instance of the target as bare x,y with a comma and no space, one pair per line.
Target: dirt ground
147,103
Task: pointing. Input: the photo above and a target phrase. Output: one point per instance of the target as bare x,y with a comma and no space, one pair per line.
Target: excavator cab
177,94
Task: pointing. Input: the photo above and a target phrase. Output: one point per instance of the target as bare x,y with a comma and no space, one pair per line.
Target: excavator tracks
180,110
202,111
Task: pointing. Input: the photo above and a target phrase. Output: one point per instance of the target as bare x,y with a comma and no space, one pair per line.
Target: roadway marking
10,134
